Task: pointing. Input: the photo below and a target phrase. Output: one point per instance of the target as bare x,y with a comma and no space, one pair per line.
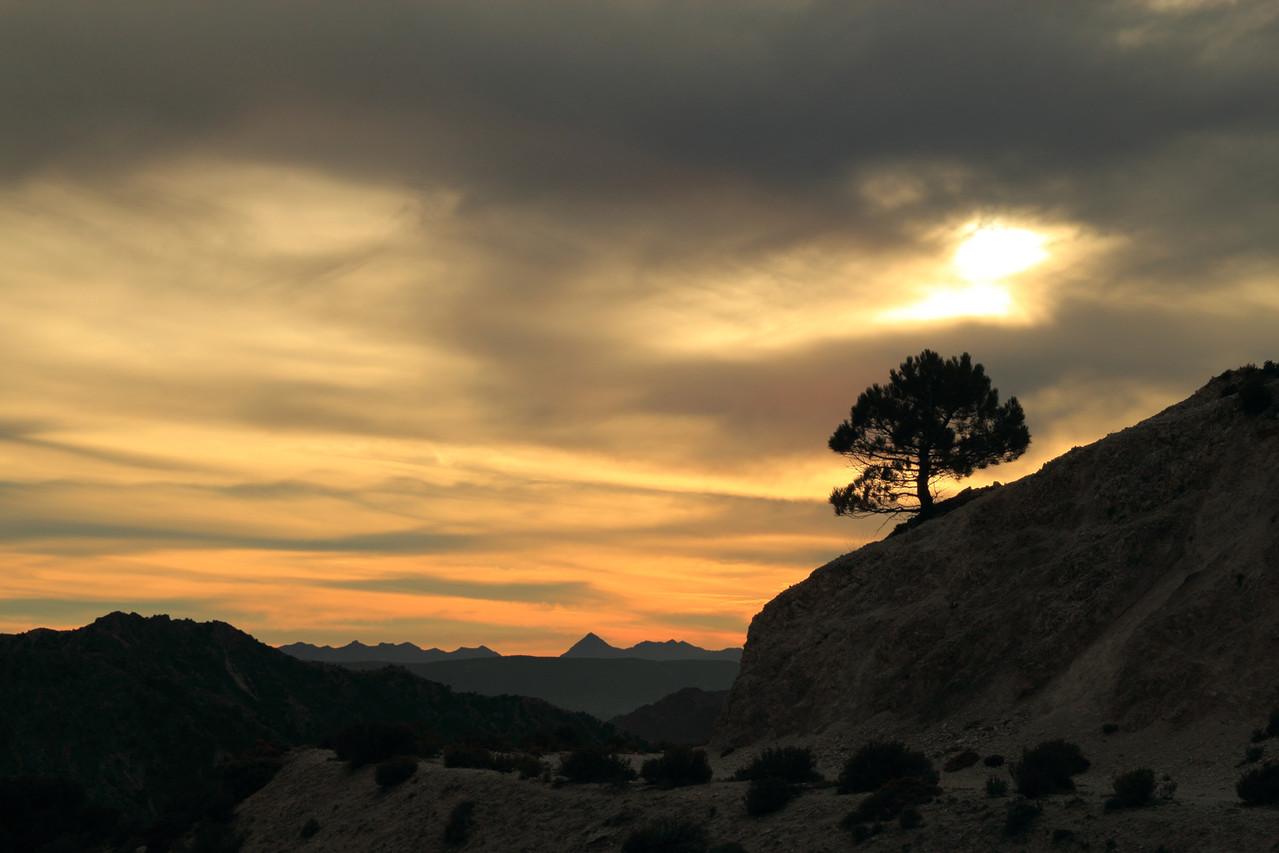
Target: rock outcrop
1134,580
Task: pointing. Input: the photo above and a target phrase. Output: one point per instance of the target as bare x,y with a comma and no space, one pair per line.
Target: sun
993,252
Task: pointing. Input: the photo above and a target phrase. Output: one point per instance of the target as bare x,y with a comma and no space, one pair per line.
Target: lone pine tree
935,418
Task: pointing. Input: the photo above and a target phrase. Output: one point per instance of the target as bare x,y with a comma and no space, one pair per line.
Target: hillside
1133,581
138,709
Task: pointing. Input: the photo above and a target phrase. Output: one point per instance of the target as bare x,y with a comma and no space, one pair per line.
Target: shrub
993,761
877,763
594,764
1254,394
1047,769
467,755
768,794
962,761
395,770
910,818
1132,789
996,787
1272,725
1022,814
727,847
669,835
677,767
1109,728
894,797
860,831
1259,785
460,825
310,828
368,743
791,763
1253,754
529,766
248,774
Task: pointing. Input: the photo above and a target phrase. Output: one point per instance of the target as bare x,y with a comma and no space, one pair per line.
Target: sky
482,321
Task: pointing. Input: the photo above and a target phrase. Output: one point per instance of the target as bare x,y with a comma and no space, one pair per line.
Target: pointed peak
591,646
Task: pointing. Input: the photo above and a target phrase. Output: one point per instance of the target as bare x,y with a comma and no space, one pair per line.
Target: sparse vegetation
460,825
993,760
910,818
467,755
369,743
394,771
894,797
860,831
1021,816
768,794
877,763
310,828
669,835
1133,789
678,766
961,761
790,763
1260,785
1047,769
1109,728
596,764
996,787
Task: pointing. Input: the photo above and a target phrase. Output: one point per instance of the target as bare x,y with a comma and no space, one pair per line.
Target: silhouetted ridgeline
357,652
1131,581
591,646
140,709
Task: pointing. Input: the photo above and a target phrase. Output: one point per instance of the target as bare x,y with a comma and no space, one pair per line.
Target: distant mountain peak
592,646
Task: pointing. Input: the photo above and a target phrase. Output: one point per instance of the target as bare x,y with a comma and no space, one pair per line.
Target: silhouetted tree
935,418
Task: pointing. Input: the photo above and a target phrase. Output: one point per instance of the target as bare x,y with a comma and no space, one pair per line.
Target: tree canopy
935,418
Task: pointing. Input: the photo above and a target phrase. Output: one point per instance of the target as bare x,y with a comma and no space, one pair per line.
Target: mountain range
590,646
357,652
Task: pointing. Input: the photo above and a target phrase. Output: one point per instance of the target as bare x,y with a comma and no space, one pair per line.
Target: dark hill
686,716
137,709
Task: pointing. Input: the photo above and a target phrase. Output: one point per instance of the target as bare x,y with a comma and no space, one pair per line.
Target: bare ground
315,804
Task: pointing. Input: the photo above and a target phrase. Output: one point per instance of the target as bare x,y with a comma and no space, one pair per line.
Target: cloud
584,286
534,593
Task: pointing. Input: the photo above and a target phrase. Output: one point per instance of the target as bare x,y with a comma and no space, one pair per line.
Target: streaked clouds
496,322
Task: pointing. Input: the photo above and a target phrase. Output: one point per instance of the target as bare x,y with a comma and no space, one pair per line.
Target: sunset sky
494,321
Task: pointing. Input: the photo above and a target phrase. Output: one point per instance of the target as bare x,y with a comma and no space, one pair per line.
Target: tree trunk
922,493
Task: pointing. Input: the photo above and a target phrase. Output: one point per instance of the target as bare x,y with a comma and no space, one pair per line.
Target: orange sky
394,342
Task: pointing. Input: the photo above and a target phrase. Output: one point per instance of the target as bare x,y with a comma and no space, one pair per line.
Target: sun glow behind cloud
986,256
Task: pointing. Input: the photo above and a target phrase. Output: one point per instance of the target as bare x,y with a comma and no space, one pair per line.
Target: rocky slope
1134,581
